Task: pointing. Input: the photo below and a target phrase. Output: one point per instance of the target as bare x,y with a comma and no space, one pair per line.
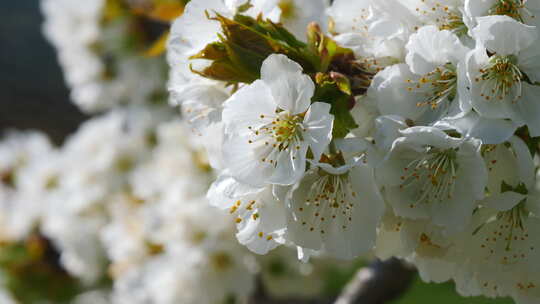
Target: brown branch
261,297
379,283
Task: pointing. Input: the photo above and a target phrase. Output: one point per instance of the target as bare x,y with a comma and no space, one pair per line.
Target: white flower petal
430,47
336,213
290,166
504,35
244,108
389,89
489,131
529,107
245,162
193,31
387,130
225,189
318,124
503,201
529,62
526,167
291,89
430,136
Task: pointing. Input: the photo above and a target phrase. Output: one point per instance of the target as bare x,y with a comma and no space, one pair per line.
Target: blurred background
32,89
33,95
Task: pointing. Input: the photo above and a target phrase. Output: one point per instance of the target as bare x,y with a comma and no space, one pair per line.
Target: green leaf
506,187
247,60
244,35
520,188
213,51
342,82
225,70
329,91
244,7
326,49
245,43
343,120
533,143
277,40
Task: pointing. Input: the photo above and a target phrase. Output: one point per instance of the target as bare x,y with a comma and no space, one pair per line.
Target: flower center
278,133
454,23
329,202
52,182
506,237
501,77
284,127
444,16
513,220
510,8
437,86
288,9
434,174
221,261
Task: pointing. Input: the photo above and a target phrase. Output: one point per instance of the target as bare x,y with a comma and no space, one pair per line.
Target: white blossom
432,83
526,11
430,175
260,217
373,29
270,124
28,174
101,71
201,99
336,209
502,71
396,128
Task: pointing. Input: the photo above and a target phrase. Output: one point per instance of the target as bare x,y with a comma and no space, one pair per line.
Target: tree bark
378,283
381,282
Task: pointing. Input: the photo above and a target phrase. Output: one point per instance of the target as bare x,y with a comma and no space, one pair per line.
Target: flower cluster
109,49
118,213
404,128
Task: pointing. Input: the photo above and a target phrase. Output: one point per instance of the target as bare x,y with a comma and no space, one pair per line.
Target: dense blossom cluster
107,51
329,129
124,199
404,128
118,213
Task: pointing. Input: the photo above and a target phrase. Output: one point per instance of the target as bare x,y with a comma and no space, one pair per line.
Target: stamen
512,8
437,86
434,174
454,23
501,78
514,220
279,132
329,203
508,228
445,17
